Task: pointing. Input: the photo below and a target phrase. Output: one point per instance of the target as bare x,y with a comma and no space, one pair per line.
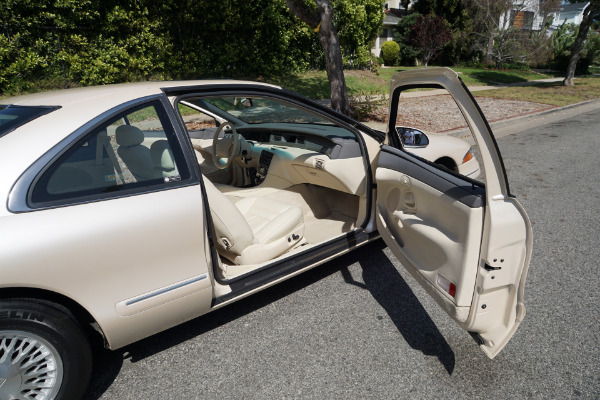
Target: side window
136,149
196,120
434,128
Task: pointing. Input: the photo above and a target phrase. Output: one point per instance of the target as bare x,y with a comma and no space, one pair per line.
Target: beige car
447,151
129,209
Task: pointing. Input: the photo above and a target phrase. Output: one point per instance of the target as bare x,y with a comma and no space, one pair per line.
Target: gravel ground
419,111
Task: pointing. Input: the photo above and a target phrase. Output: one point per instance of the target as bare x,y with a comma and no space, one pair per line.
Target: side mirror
411,137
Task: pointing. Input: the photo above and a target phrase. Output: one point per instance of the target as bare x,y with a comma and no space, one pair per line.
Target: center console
263,166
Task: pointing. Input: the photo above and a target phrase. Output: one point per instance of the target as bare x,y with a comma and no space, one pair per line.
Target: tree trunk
333,58
590,11
489,55
322,22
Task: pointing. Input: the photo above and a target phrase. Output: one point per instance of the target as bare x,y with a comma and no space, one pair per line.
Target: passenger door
467,243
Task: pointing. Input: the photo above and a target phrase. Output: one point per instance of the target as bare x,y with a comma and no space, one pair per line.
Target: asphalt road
360,327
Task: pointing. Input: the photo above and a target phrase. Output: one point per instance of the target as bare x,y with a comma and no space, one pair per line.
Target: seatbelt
119,177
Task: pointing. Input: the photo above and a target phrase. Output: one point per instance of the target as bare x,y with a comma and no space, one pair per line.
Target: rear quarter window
135,150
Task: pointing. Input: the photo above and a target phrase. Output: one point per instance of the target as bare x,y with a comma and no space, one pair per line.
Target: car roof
113,94
77,106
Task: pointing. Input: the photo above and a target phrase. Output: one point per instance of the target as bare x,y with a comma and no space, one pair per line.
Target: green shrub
362,59
389,53
515,65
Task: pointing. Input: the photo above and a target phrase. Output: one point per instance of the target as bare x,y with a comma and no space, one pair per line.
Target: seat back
135,155
232,229
162,157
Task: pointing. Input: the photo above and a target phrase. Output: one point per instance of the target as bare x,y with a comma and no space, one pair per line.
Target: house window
522,19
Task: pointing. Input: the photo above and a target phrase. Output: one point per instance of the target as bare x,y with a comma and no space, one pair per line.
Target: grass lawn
586,88
314,84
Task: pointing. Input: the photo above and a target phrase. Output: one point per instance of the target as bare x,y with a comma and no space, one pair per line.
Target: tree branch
306,14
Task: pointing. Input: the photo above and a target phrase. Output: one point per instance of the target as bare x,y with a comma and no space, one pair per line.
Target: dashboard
334,147
278,158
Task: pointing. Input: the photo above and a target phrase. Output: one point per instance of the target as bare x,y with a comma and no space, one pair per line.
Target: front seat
162,157
134,154
254,229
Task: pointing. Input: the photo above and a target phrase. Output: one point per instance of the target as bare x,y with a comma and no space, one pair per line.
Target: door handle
409,200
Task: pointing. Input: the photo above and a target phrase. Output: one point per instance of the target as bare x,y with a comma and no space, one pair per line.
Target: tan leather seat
162,157
254,229
135,155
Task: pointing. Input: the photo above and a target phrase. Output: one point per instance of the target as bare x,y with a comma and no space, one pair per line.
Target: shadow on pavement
107,364
390,290
381,279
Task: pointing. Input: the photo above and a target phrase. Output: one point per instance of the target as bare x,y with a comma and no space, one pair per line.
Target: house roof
575,7
396,12
393,16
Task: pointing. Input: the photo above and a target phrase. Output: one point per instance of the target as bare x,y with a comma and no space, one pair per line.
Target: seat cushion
254,229
269,219
232,230
276,227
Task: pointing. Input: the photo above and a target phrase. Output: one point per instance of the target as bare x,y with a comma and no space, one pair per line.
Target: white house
393,13
524,14
569,14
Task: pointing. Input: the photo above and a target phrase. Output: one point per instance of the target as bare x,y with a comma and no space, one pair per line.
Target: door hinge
477,337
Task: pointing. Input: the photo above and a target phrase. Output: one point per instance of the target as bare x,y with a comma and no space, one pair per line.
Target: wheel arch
53,299
447,162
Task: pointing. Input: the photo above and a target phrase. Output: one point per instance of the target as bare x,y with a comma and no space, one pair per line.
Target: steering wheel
224,149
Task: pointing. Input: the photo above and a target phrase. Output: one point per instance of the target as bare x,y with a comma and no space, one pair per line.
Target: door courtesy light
446,285
468,156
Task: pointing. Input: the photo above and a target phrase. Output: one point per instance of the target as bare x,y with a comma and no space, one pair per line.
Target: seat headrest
128,136
161,155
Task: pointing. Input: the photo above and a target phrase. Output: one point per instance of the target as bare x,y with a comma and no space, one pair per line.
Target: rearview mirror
243,102
411,137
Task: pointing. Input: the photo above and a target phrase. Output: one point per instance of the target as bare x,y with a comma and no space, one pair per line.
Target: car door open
467,243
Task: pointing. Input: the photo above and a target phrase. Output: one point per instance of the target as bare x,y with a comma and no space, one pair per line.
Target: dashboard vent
319,164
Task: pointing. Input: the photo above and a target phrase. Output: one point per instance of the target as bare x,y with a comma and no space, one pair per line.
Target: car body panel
483,250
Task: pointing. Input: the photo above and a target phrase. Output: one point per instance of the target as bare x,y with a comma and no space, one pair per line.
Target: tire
44,353
447,163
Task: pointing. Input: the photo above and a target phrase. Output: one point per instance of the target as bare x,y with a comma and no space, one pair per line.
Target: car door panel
439,234
467,244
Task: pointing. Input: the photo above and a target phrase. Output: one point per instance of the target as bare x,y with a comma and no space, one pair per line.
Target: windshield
260,110
12,117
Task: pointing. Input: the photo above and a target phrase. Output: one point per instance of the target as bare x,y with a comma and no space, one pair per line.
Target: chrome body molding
165,290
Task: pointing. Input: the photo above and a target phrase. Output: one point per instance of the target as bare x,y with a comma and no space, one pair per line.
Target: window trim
43,110
19,199
396,142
